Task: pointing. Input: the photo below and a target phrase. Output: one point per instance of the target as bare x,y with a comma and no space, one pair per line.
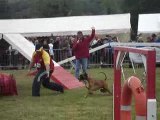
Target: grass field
68,106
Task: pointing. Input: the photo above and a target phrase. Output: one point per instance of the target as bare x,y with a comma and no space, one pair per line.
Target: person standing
45,71
81,51
51,52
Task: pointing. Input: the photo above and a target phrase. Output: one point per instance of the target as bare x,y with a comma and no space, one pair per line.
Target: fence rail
13,59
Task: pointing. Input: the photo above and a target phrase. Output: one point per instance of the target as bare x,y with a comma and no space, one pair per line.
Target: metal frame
150,77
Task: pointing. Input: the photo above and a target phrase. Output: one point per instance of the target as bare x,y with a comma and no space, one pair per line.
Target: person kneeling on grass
45,71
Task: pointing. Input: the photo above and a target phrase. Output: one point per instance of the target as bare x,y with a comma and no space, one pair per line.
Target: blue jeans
80,62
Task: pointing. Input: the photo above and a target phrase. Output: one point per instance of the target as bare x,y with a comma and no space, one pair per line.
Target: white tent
149,23
118,23
14,29
24,46
0,35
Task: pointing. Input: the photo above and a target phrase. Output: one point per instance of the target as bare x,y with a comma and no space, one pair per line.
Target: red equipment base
7,85
60,75
63,77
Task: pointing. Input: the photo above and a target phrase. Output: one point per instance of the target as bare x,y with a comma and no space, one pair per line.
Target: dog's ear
80,77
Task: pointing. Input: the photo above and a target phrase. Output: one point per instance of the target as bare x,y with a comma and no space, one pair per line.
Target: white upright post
151,109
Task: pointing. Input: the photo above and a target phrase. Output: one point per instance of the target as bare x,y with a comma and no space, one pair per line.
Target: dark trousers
41,77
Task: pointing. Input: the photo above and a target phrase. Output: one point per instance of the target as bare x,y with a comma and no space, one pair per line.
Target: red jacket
81,49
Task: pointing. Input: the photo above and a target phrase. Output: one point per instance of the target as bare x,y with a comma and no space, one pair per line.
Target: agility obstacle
65,78
133,86
26,48
122,108
8,85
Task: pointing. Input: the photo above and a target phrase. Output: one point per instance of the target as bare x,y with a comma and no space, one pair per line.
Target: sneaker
62,90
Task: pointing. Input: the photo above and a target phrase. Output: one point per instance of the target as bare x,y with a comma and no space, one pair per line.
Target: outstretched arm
92,34
31,63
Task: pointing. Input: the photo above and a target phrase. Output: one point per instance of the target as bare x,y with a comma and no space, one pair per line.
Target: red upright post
151,71
150,75
117,88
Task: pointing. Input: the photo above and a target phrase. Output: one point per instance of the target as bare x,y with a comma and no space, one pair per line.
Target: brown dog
94,85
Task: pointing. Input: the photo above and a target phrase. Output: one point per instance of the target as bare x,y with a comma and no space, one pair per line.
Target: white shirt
51,49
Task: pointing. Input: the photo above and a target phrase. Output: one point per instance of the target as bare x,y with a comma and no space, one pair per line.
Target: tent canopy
118,23
149,23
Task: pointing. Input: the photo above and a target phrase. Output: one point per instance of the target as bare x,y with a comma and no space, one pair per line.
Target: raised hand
93,28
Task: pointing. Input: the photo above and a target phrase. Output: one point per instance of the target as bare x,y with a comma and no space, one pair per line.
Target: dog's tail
104,75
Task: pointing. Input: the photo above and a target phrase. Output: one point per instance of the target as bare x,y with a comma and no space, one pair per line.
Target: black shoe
62,90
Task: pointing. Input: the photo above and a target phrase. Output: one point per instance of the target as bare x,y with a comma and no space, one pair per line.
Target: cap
38,47
79,32
154,35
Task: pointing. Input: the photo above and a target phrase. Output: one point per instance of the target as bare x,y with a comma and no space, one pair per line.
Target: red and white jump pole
150,77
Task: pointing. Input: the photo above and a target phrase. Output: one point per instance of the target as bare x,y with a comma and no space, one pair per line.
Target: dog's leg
109,91
91,89
89,92
87,86
86,95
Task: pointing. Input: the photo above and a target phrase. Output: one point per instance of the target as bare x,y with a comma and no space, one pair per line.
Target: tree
112,6
51,8
4,12
136,7
133,7
19,8
150,6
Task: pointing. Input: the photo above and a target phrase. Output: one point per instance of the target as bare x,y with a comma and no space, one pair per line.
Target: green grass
68,106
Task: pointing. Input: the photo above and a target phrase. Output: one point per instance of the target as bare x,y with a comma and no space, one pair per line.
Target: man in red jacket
81,51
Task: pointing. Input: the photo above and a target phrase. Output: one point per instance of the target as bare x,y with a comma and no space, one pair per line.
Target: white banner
137,58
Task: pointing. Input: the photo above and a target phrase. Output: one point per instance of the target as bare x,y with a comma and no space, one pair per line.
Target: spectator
81,51
153,37
115,39
65,48
110,52
44,73
71,41
15,57
148,39
105,52
158,40
56,46
94,42
51,52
